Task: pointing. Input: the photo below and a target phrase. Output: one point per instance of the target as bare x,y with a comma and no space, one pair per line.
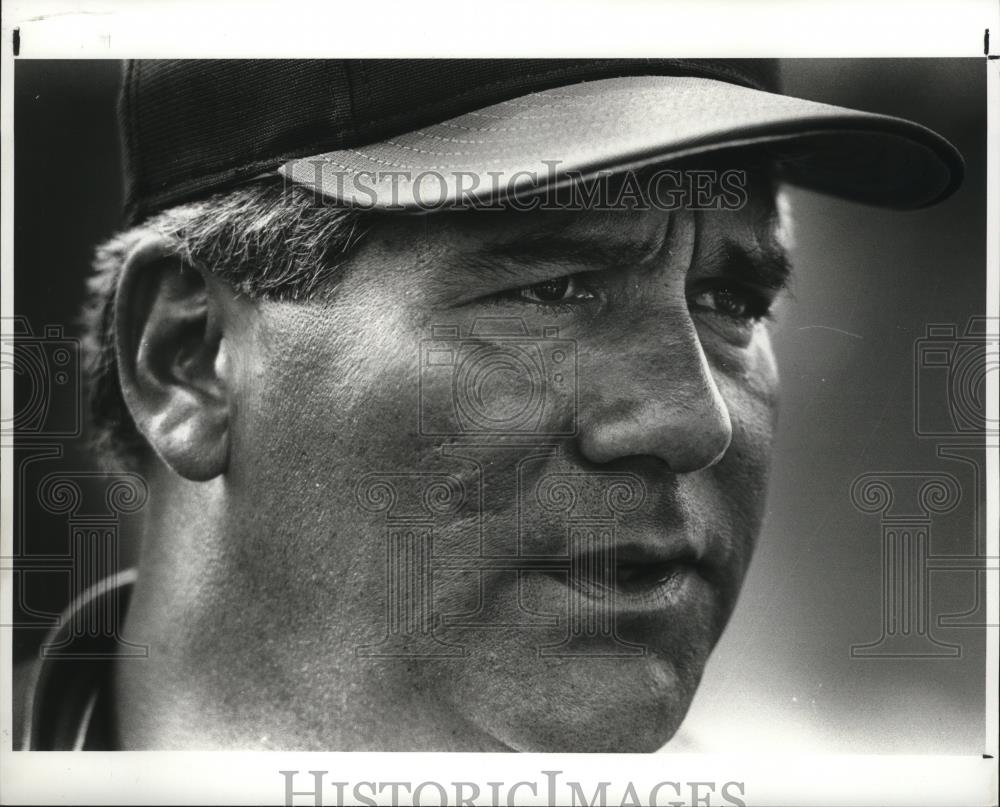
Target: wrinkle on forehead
446,247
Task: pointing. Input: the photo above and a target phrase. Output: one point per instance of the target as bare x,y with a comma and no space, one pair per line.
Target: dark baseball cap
496,126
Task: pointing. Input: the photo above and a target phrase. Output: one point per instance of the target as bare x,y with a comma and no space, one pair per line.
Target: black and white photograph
556,413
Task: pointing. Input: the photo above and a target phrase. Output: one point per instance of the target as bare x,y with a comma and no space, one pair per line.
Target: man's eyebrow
546,251
767,265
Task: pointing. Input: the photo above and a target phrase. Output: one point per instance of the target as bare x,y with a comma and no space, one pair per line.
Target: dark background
869,283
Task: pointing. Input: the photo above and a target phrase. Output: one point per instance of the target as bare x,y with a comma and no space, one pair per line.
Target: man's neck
212,681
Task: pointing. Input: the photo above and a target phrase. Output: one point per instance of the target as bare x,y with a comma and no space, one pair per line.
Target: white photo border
115,29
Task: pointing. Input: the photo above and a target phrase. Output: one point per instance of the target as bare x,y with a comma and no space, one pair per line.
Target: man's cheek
749,385
340,375
740,479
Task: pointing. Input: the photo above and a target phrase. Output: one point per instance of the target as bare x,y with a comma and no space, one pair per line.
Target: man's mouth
637,578
632,577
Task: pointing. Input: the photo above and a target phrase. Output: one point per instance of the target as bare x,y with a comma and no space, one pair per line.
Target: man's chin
626,733
594,706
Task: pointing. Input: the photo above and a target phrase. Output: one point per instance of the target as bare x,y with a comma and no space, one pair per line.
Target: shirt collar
68,706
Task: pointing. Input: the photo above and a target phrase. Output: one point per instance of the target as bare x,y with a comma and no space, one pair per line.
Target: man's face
501,490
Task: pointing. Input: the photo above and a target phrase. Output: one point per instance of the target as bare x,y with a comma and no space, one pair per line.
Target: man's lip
644,576
672,589
634,557
638,554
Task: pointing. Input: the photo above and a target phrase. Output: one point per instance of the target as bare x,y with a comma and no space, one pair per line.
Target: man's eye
567,289
733,302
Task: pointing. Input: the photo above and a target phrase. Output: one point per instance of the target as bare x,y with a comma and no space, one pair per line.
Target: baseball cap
492,127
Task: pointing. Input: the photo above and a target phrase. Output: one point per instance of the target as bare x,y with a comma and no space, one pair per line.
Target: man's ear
169,343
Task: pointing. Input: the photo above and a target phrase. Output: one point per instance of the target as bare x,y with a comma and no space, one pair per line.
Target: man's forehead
574,237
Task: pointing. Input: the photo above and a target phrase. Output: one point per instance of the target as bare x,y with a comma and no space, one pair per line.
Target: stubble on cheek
740,480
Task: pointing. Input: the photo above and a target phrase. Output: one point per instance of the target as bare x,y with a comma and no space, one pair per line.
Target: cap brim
581,130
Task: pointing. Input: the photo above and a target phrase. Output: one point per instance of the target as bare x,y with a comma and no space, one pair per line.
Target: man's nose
663,403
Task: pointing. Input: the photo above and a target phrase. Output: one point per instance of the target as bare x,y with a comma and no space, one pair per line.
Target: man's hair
268,239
